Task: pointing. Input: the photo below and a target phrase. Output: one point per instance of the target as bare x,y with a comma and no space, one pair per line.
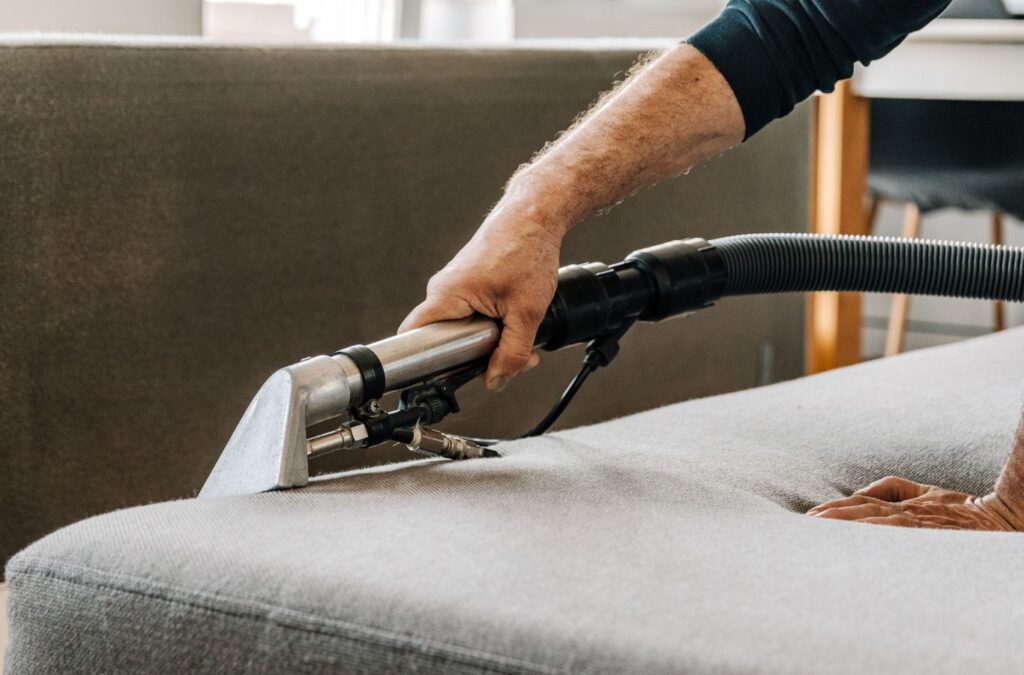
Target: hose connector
439,444
686,275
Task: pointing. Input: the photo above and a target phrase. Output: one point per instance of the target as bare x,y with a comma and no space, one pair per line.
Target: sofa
180,219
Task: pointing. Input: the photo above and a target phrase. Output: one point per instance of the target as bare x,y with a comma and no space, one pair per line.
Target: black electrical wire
564,400
601,351
588,366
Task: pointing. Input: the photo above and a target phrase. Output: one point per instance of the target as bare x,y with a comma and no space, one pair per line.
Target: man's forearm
670,115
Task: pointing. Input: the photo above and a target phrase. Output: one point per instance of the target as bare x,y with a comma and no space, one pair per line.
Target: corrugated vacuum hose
688,275
780,263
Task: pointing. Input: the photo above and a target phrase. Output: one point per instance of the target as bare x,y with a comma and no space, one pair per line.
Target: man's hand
904,503
507,271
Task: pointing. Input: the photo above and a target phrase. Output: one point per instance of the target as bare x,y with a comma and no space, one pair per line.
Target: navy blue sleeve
776,53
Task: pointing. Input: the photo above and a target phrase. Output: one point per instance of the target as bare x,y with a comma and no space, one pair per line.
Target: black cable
556,411
564,400
601,351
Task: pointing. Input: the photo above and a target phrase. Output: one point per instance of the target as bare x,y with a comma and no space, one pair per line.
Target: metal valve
439,444
348,436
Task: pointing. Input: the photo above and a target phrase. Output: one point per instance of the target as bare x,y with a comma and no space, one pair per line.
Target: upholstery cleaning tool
594,304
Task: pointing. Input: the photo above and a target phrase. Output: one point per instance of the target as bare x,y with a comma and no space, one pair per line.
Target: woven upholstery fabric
667,541
179,220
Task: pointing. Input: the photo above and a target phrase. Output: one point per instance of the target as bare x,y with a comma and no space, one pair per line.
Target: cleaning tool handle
654,283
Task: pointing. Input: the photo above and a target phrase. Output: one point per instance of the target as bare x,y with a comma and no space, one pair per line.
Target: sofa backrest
179,220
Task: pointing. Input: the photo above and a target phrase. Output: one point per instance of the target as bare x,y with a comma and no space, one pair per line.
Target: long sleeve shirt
776,53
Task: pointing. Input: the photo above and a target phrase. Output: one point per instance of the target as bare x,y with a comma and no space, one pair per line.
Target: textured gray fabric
179,221
668,541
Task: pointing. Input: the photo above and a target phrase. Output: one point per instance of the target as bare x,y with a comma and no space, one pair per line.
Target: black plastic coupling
370,369
687,275
585,305
651,284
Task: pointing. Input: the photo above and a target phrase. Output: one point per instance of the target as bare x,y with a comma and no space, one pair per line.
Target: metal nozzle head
267,450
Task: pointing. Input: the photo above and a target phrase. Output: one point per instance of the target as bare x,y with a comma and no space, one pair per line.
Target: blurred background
366,21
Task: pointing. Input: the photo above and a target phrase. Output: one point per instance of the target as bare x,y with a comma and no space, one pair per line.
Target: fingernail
497,383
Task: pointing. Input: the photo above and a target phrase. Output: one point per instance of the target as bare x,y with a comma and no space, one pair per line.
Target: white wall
612,18
152,17
466,20
500,20
253,22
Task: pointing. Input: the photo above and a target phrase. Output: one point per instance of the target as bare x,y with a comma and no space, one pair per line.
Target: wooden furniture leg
897,333
873,205
839,167
997,239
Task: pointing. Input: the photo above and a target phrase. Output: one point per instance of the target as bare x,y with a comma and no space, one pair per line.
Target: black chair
947,154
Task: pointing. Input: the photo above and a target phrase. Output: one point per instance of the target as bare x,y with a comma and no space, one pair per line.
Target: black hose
780,263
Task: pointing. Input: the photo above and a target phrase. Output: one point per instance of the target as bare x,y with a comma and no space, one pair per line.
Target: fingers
857,512
896,520
514,352
888,490
533,362
894,489
903,503
852,500
882,514
434,309
944,522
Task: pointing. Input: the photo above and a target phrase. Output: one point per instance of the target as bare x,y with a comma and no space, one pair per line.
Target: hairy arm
1007,499
747,67
673,112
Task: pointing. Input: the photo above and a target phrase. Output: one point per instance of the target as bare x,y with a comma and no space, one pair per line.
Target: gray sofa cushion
672,540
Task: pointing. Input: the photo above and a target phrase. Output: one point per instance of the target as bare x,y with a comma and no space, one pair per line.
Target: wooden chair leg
900,308
873,205
999,310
